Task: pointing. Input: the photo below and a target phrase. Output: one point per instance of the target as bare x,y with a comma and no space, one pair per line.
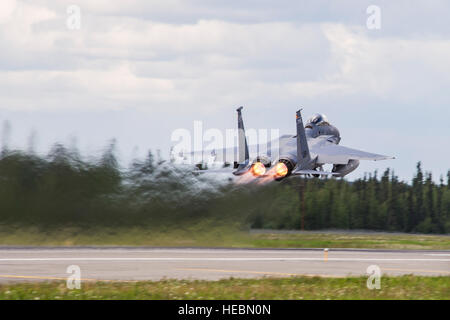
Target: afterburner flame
258,169
281,169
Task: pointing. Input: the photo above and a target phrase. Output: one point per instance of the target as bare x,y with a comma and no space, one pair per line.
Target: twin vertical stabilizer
303,155
305,165
243,156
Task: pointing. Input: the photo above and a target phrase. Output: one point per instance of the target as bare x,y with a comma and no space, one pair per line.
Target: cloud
121,59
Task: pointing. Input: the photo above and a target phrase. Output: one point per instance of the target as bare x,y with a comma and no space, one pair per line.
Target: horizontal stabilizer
223,170
322,173
242,170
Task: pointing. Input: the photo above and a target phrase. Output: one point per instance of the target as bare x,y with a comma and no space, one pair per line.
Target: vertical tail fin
243,157
303,155
243,147
305,166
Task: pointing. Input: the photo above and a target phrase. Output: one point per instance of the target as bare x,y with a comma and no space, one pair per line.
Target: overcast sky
137,70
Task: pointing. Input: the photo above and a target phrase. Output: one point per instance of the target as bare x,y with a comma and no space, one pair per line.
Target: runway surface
131,264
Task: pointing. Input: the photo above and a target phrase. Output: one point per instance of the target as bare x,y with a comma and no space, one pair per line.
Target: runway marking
415,270
438,254
10,276
216,259
38,277
260,272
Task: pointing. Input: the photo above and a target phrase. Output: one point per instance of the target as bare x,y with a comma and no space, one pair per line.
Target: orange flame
258,169
281,169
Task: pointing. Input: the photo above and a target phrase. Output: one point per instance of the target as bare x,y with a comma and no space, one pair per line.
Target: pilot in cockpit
318,120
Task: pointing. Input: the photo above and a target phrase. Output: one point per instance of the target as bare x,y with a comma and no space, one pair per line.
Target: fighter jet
304,153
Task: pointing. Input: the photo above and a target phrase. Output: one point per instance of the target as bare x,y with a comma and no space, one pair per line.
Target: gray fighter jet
305,153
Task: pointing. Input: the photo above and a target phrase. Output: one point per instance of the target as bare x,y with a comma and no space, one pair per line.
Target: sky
84,72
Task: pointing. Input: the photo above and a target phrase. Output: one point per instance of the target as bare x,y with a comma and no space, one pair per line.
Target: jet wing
336,154
211,155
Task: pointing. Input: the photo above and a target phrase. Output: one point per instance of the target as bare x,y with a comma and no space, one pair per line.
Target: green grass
351,240
209,235
404,287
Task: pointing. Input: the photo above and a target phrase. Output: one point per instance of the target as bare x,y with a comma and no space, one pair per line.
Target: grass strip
311,288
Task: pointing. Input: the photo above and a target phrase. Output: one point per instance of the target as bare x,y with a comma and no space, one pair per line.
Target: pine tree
448,179
429,204
418,208
439,206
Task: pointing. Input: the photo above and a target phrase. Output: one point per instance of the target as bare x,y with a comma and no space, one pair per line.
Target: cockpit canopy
318,119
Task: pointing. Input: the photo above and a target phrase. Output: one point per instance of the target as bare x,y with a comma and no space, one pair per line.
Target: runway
133,264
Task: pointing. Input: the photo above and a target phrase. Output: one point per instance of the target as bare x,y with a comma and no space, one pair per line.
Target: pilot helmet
318,119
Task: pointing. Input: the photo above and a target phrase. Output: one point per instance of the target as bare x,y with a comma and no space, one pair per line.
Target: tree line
372,202
63,188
